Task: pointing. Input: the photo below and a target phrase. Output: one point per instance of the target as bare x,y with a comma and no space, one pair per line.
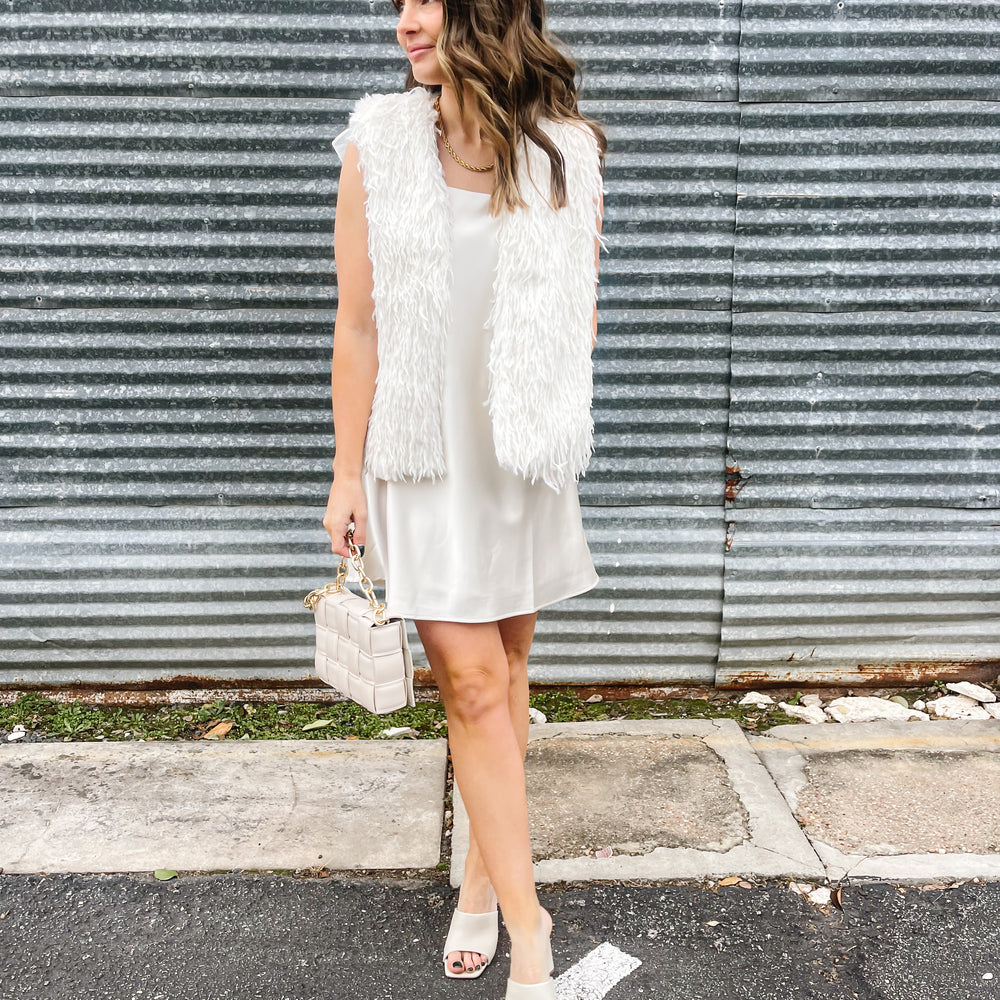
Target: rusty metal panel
661,365
820,51
145,406
168,203
193,594
330,48
858,409
872,594
883,205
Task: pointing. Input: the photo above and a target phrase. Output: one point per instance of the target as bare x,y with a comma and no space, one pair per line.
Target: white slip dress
481,543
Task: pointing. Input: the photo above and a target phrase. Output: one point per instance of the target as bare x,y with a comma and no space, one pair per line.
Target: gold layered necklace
447,144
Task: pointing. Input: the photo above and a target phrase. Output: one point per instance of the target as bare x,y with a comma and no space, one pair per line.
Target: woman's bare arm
355,357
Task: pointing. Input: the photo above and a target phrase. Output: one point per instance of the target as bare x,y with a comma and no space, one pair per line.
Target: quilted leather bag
359,651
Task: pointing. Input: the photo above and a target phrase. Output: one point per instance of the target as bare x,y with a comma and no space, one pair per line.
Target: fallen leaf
164,873
835,898
318,724
729,880
218,732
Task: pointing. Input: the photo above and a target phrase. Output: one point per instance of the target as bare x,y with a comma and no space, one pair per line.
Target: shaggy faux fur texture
408,214
540,369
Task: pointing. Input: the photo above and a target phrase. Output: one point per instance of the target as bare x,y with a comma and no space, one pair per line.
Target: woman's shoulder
373,115
399,105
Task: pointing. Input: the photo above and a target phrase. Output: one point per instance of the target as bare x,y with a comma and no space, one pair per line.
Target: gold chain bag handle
338,585
360,650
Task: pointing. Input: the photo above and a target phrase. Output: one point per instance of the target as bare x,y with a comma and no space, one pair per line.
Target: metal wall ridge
145,595
857,596
929,50
857,409
292,49
859,206
235,403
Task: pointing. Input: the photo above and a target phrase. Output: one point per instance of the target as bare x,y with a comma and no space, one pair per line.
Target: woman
468,220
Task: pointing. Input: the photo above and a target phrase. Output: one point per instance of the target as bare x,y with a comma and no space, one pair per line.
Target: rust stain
900,674
782,684
622,692
263,693
735,480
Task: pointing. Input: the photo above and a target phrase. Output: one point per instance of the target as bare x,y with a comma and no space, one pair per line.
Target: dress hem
574,592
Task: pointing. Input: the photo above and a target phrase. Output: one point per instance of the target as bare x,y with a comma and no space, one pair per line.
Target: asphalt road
284,937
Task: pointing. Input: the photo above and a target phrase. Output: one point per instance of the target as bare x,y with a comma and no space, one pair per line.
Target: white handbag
359,651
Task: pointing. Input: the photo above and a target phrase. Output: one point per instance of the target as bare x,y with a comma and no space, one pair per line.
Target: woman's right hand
347,502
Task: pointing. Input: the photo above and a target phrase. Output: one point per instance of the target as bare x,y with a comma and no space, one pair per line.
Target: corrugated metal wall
864,430
787,184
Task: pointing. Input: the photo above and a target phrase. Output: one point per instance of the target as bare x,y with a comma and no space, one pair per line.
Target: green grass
76,720
261,721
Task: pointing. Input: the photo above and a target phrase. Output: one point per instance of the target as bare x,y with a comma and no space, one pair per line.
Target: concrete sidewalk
838,802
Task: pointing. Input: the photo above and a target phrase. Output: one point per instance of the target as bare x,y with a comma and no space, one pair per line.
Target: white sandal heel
471,932
534,991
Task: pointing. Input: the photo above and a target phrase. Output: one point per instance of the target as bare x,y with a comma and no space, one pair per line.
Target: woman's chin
427,79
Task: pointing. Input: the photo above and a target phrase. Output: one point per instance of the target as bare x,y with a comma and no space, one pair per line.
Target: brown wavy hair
503,50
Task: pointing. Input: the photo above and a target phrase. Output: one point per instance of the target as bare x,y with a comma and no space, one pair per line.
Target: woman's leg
476,893
516,634
470,666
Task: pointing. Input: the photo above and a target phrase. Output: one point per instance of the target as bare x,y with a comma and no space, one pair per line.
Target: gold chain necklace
447,145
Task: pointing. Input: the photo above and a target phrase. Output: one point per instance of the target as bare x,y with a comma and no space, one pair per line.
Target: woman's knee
469,665
474,691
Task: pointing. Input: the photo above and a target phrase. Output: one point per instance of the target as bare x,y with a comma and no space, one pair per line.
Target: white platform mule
471,932
534,991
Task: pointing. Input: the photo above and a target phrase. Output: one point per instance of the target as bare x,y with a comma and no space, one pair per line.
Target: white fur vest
540,369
